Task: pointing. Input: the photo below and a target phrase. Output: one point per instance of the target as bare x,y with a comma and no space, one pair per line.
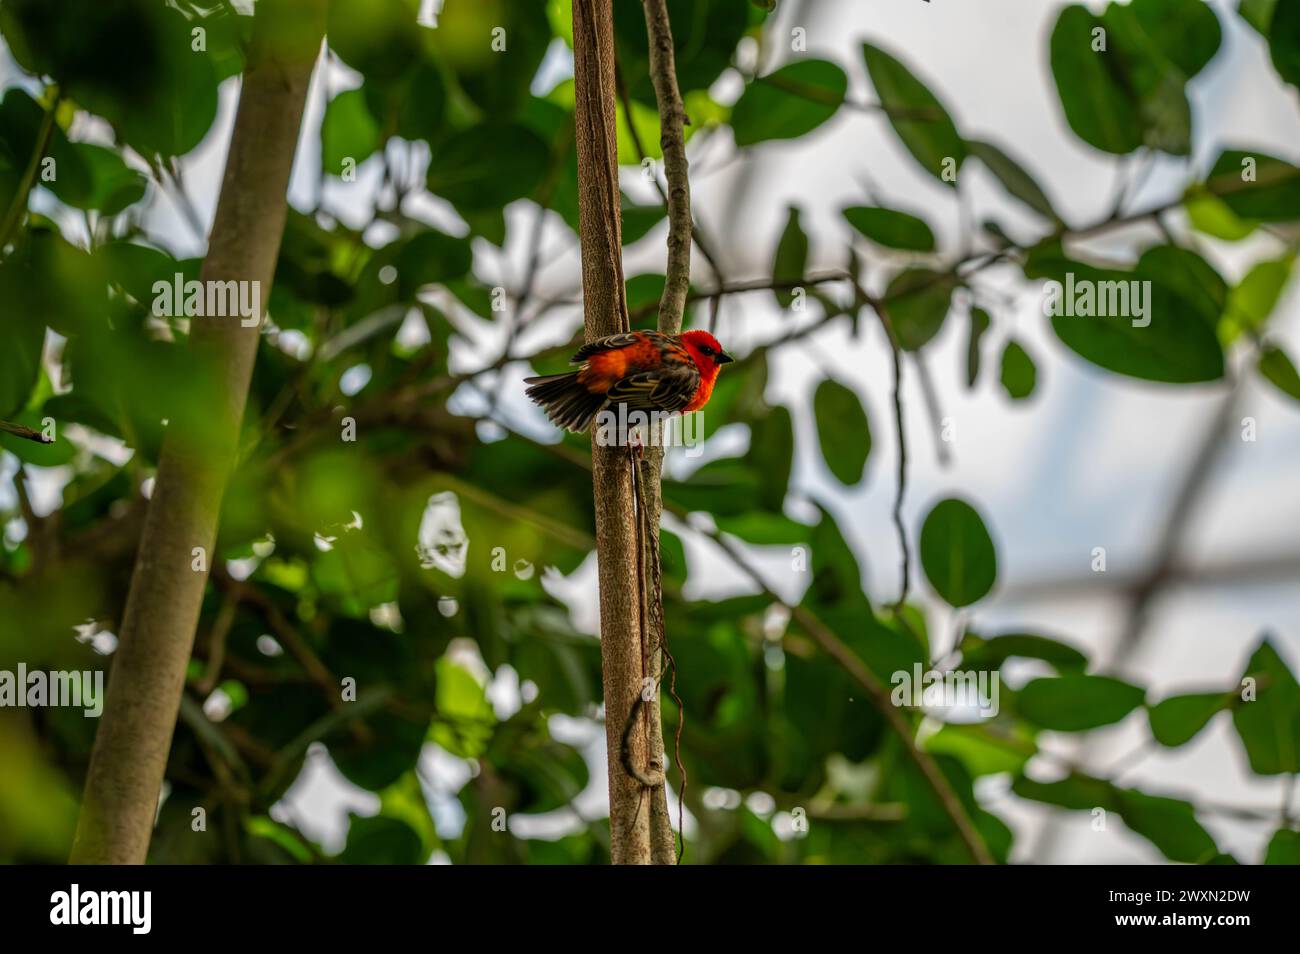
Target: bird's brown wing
669,388
608,343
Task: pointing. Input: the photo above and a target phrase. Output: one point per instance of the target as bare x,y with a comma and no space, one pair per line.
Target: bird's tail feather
565,400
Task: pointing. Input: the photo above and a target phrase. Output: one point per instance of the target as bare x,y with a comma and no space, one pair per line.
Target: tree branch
851,663
844,657
672,140
705,247
677,286
148,674
622,649
18,205
26,433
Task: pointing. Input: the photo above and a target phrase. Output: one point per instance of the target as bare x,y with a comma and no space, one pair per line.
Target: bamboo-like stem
144,692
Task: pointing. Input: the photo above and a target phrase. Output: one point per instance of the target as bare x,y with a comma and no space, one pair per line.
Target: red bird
645,370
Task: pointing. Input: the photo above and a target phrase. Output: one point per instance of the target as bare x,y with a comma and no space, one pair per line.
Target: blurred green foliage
403,558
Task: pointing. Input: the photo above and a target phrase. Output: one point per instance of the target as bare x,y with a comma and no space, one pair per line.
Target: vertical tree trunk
148,673
672,305
605,311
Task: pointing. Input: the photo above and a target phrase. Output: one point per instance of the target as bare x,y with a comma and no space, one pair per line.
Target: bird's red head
706,352
709,358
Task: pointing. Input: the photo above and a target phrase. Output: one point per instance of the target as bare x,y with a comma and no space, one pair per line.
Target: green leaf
957,553
1276,366
488,166
1187,31
356,571
1187,279
1175,340
1255,185
917,116
54,282
1283,848
494,69
20,358
1153,48
918,300
985,750
771,449
738,395
114,185
639,219
93,177
1269,725
979,323
1210,214
843,431
980,653
1013,177
1018,372
20,122
159,94
347,132
789,103
1077,702
891,228
465,718
405,801
1092,85
1153,79
705,34
1253,299
764,528
1284,42
381,841
1258,13
278,841
413,106
378,38
1179,719
542,774
836,576
390,750
1076,792
430,257
486,223
1168,823
724,486
791,259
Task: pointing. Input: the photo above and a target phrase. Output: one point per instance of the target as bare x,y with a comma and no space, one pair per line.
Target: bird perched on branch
643,370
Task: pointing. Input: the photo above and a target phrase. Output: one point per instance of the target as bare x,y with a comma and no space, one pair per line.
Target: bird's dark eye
706,350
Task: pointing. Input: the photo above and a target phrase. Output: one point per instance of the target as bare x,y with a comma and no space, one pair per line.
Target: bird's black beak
723,358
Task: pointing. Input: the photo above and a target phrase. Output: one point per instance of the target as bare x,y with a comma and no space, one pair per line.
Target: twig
876,692
183,201
900,435
672,116
701,243
285,632
18,205
672,304
217,644
26,433
844,656
25,501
